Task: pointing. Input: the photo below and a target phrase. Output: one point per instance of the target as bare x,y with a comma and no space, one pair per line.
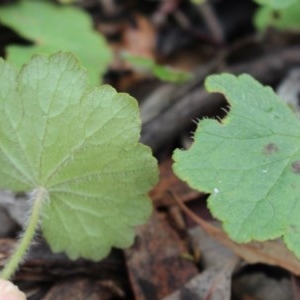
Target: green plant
276,4
165,73
278,14
51,27
77,151
249,163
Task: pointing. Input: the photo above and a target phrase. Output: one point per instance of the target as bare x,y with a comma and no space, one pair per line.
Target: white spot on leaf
216,190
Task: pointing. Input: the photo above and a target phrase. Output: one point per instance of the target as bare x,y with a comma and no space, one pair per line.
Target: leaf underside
81,146
249,163
53,28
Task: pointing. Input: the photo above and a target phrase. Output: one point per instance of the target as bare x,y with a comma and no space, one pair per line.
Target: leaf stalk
39,195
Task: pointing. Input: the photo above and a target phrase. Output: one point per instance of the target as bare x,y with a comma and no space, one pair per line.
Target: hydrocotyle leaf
53,28
249,163
79,145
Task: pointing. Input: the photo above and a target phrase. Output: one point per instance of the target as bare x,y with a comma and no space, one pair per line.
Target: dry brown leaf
270,252
213,284
140,39
83,289
156,265
167,182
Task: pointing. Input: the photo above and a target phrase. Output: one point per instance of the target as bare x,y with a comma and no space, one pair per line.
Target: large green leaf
55,28
249,163
82,147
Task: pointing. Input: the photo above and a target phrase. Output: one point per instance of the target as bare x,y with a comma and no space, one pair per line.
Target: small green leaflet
82,147
198,1
53,28
162,72
285,17
276,4
249,163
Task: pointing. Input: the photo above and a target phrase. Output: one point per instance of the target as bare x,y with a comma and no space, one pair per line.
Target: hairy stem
18,255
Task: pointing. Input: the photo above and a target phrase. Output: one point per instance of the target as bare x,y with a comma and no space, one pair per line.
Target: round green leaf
82,147
249,163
